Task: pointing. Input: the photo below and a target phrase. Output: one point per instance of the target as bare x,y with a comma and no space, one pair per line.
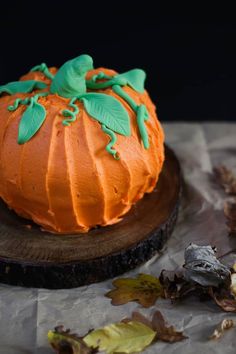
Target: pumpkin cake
78,146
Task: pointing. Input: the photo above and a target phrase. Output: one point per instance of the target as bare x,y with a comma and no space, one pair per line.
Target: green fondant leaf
108,111
31,121
22,87
135,79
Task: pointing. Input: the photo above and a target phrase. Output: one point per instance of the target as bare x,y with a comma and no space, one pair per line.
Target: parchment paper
27,314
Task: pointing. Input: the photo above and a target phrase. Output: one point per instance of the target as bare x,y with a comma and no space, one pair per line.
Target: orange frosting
63,178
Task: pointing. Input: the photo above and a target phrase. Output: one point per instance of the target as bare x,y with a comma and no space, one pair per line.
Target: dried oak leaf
165,333
145,289
226,179
230,214
121,337
221,328
64,342
158,324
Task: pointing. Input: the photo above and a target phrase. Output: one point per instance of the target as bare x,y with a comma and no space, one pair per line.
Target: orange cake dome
78,146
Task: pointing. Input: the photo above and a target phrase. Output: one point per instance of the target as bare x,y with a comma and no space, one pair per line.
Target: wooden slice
30,257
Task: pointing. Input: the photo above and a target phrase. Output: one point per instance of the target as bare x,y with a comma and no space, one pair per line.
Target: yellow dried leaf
121,337
145,289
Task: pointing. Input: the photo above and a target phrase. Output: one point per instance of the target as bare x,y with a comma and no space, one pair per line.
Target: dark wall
190,62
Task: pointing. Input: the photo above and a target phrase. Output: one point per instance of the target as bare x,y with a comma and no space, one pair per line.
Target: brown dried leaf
228,305
230,214
175,286
165,333
158,324
145,289
64,342
223,299
221,328
138,317
226,179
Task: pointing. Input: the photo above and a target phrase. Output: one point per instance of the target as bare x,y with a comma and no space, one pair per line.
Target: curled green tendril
26,101
44,69
17,102
40,94
69,113
100,76
142,116
109,147
90,84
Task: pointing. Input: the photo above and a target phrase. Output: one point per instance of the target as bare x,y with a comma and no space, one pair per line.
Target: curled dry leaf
175,286
227,304
158,324
221,328
121,337
64,342
230,214
202,266
145,289
226,179
223,298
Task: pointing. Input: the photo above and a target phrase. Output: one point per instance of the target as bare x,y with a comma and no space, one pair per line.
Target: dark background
189,58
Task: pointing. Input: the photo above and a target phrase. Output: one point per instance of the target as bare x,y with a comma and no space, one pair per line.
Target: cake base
33,258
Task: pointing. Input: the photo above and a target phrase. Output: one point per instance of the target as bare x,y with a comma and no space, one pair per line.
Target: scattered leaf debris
221,328
226,179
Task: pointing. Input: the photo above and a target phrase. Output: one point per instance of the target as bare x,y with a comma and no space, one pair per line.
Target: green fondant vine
70,82
44,69
69,113
109,147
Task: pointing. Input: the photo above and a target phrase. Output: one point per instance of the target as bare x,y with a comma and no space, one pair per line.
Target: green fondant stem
69,81
109,147
44,69
69,113
142,116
